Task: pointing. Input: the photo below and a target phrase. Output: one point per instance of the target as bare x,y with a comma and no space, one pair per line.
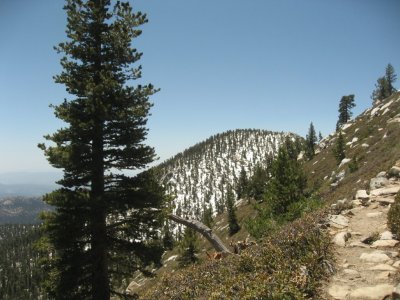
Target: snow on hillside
198,178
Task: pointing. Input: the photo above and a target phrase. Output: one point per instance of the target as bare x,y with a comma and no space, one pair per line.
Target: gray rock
385,191
382,267
381,175
341,238
338,221
394,171
378,182
375,257
362,194
372,292
386,235
384,243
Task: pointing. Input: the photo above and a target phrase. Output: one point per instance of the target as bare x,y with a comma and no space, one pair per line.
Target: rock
384,201
396,293
383,275
358,244
385,191
341,238
351,273
339,292
374,214
382,267
356,202
394,171
381,175
384,243
344,161
386,235
375,257
338,221
362,195
372,292
376,183
396,264
364,145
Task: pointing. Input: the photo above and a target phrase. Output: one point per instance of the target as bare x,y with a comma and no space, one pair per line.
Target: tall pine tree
345,113
311,139
384,85
231,210
339,148
104,225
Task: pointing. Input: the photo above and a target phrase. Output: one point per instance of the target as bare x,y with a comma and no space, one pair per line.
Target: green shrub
394,216
302,207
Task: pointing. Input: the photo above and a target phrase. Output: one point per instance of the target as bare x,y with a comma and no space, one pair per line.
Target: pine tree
339,148
320,136
287,183
384,85
311,139
242,185
345,106
188,248
208,216
104,225
258,183
230,207
167,239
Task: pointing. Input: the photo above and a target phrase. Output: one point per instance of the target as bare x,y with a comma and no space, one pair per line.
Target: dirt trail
365,269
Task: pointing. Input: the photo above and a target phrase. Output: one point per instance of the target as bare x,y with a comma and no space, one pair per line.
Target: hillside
284,265
198,177
21,210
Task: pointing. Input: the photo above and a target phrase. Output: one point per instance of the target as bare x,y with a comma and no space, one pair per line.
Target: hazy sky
220,64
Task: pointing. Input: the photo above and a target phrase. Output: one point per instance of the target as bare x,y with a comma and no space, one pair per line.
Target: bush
394,216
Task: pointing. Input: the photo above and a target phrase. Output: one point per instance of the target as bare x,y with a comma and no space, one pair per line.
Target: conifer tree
287,183
208,216
339,148
320,136
167,239
188,248
311,139
258,183
230,207
242,185
105,223
384,85
345,113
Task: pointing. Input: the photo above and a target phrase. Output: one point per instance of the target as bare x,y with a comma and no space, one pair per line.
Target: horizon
267,65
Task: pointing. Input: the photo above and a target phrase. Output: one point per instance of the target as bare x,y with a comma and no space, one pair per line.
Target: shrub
394,216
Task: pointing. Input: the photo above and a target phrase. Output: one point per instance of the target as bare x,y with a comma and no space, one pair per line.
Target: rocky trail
367,252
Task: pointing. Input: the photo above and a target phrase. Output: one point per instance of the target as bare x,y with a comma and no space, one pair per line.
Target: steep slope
372,145
199,177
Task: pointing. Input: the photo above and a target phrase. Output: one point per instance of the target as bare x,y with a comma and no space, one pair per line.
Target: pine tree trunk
215,241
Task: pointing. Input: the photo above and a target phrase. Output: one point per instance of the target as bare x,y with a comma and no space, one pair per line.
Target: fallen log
205,231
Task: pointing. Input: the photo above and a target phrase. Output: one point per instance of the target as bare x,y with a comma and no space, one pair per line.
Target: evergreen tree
384,85
345,106
287,183
311,139
208,216
242,185
339,148
104,225
230,207
167,239
320,136
188,248
258,183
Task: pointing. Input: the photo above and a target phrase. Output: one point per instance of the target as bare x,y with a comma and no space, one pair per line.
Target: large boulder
385,191
384,243
378,182
341,238
372,292
394,172
338,221
362,195
375,257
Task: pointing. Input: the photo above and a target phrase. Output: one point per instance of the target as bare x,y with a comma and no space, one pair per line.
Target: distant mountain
199,176
21,210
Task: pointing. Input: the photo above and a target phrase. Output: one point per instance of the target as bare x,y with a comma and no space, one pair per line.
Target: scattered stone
394,171
352,273
383,276
341,238
385,201
386,235
356,202
364,145
338,221
396,293
385,191
396,264
339,292
384,243
375,257
382,267
374,214
362,194
381,174
378,182
358,244
372,292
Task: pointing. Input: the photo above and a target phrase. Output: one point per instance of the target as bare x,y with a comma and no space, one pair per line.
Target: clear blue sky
225,64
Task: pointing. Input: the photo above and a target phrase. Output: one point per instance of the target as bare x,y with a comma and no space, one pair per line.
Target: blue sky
226,64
